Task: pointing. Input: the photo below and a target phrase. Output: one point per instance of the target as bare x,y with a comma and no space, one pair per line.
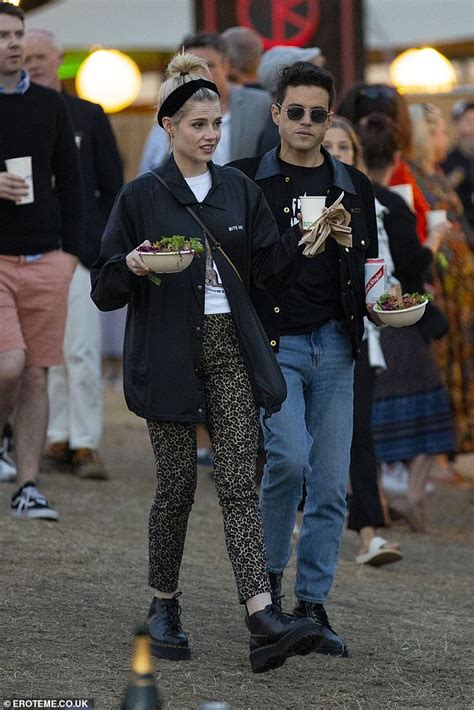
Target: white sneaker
7,466
395,478
28,502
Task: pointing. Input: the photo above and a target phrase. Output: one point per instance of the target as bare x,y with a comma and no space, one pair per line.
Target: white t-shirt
215,299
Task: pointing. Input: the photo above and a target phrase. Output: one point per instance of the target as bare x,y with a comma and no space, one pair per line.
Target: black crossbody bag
268,383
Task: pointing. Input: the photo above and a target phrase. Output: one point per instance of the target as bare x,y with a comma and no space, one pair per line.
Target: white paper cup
311,208
22,168
435,218
406,192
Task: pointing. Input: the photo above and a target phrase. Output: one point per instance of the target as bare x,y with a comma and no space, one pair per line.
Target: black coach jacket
162,348
358,200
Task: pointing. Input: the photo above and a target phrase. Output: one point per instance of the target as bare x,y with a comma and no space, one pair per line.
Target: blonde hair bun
181,69
187,64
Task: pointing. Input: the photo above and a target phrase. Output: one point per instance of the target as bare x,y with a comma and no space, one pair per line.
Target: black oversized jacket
358,200
163,338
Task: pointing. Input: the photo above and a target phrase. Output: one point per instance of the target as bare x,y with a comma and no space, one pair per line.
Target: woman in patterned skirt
412,418
454,285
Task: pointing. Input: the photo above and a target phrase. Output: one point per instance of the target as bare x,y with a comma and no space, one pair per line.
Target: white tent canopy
398,23
123,24
161,24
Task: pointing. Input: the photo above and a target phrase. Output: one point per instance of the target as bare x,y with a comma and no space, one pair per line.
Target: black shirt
316,297
37,123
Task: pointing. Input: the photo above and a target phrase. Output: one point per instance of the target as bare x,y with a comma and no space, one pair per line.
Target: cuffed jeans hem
311,601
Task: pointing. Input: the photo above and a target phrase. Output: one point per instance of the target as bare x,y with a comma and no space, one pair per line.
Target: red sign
292,22
335,26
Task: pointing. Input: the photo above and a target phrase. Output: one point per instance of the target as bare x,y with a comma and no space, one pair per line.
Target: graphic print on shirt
212,275
295,208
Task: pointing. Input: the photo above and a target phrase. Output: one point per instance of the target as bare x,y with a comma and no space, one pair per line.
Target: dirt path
71,594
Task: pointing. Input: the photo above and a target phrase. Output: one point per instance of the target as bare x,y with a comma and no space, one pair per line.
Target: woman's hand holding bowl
135,263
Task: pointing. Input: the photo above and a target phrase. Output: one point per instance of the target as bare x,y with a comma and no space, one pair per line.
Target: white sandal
378,555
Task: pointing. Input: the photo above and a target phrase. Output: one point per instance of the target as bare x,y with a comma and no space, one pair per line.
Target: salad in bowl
170,254
399,310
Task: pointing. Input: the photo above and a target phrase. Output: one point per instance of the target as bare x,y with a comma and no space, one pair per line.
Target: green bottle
141,692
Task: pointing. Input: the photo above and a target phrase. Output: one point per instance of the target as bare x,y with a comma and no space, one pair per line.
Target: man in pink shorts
40,240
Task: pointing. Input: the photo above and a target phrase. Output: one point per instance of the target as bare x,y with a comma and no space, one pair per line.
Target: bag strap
215,243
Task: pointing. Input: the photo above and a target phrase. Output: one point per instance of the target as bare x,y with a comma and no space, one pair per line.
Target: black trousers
365,509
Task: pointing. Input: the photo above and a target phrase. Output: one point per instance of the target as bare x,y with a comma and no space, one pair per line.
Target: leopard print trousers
233,428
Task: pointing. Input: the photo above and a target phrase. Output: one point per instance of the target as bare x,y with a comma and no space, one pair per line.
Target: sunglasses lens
295,113
318,115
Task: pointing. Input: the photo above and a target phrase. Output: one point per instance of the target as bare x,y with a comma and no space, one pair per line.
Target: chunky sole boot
331,643
168,640
275,636
169,651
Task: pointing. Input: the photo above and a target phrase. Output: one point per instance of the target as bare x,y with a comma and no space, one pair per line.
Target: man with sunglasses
315,328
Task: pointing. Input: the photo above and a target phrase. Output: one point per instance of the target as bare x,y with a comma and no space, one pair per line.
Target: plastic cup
22,168
311,208
436,217
406,192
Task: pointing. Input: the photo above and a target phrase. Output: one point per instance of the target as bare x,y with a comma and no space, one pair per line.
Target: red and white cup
375,281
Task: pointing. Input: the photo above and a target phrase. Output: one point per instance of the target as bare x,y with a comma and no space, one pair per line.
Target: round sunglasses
296,113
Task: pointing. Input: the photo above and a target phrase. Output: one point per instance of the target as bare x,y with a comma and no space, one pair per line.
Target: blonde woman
195,352
454,267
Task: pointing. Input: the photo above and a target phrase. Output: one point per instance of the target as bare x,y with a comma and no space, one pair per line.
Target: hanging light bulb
422,71
110,78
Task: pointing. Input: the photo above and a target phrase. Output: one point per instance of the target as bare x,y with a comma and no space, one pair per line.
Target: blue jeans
310,440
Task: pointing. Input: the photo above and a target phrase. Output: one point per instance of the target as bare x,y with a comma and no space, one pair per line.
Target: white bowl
167,262
400,319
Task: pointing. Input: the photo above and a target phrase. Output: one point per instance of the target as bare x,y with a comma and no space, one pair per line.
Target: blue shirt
22,86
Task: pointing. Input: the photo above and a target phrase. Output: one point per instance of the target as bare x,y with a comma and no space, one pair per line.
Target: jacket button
286,210
352,317
287,179
347,248
273,343
200,410
349,282
199,287
201,207
362,241
198,329
276,309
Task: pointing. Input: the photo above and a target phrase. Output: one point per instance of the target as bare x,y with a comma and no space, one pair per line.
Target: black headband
179,96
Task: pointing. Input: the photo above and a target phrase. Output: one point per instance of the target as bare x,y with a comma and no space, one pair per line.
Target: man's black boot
275,584
168,640
275,636
331,644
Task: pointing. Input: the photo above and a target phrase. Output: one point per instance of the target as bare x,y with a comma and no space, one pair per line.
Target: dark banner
335,26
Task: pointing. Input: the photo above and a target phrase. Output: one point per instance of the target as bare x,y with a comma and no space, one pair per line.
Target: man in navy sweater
39,246
74,388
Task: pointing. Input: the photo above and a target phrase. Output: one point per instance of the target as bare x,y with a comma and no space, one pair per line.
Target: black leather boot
275,584
331,644
168,640
275,636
